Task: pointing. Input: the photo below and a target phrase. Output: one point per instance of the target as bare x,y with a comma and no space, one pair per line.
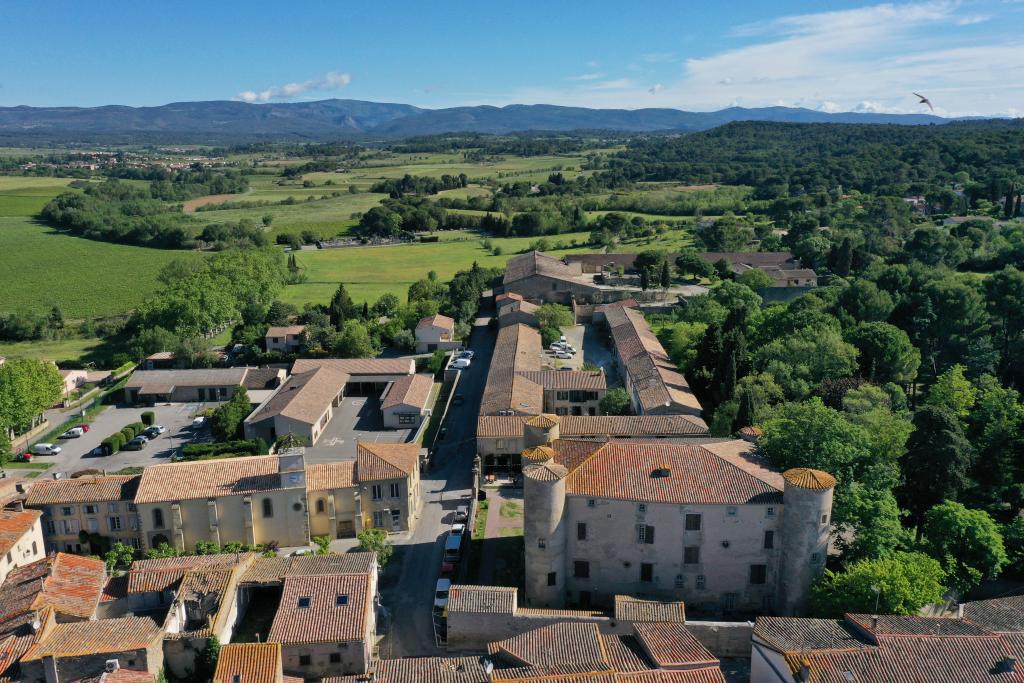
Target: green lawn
65,349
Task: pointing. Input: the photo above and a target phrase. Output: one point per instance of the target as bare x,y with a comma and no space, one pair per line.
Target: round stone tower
544,527
806,520
540,429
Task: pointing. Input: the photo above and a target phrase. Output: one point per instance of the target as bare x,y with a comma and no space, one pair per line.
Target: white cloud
330,81
586,77
970,21
615,84
656,88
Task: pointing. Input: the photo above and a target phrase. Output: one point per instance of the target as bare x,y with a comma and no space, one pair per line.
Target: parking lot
357,419
574,336
76,454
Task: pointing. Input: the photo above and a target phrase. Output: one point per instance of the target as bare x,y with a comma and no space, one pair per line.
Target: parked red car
84,427
448,570
23,457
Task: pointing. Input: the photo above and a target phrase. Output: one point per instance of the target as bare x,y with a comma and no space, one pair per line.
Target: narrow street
408,598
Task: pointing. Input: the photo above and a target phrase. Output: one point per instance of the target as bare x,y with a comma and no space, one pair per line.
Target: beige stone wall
407,503
29,548
353,658
344,513
566,406
60,541
77,668
287,526
615,556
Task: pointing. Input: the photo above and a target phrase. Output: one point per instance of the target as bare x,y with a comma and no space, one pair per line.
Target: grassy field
369,272
27,196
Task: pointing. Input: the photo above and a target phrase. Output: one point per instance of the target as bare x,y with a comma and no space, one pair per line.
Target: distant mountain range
335,118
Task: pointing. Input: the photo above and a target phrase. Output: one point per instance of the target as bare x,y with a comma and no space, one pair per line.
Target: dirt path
191,205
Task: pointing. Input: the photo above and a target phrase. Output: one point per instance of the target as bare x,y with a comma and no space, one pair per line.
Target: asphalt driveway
357,419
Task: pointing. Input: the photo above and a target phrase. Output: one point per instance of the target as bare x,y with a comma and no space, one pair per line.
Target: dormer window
304,602
341,600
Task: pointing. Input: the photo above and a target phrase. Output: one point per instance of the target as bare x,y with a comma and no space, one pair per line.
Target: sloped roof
69,584
275,569
517,349
324,620
14,525
436,320
329,476
806,478
482,599
626,471
535,263
358,366
251,662
304,396
604,426
628,608
285,330
377,461
79,638
83,490
592,380
164,381
209,479
670,645
421,670
998,614
411,390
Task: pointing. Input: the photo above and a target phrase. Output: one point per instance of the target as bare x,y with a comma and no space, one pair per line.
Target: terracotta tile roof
14,525
756,259
188,562
377,461
275,569
655,379
517,349
153,581
998,614
794,635
112,487
507,308
285,330
80,638
625,653
535,263
745,456
562,648
436,320
358,366
702,675
164,381
511,426
544,471
251,662
267,570
115,588
806,478
568,379
324,621
411,390
123,675
330,476
12,647
304,396
671,645
209,479
539,454
69,584
543,421
628,608
507,298
421,670
626,471
482,599
899,625
625,260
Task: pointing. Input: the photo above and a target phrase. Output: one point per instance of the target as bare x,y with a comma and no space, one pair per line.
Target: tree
802,360
937,463
616,402
341,307
120,556
207,661
901,584
666,274
756,279
376,541
27,388
387,305
1013,539
323,545
554,315
866,302
426,289
689,262
953,391
227,419
843,261
886,353
966,542
354,341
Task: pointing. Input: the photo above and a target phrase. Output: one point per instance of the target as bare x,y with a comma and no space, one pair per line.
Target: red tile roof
251,662
998,614
70,584
627,471
516,349
377,461
436,320
421,670
482,599
209,479
14,525
511,426
112,487
588,380
103,636
358,366
670,645
411,390
330,476
324,620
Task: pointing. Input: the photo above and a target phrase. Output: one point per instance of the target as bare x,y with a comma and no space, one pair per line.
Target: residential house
325,624
21,540
183,386
161,360
249,662
406,402
67,585
249,500
82,650
869,648
713,525
513,310
101,506
570,392
539,277
72,380
435,332
380,489
284,339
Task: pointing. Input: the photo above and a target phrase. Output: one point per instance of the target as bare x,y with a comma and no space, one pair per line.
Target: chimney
960,611
874,622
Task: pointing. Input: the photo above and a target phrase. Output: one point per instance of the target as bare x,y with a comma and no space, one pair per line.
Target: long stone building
711,525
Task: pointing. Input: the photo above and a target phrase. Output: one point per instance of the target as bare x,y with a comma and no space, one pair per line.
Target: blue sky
966,55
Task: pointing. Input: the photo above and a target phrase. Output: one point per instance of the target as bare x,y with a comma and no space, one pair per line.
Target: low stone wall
723,638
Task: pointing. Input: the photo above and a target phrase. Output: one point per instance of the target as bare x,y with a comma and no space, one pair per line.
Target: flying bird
924,100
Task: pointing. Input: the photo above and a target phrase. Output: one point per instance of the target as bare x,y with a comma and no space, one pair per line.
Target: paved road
408,598
358,418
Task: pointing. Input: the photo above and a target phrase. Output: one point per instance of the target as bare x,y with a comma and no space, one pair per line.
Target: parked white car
46,449
458,530
199,422
72,433
467,354
441,593
461,363
556,346
563,355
